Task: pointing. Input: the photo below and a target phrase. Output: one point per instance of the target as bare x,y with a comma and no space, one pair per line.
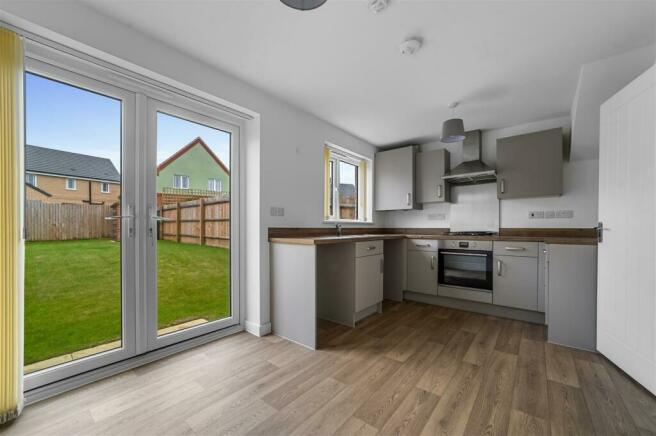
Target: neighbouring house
57,176
194,171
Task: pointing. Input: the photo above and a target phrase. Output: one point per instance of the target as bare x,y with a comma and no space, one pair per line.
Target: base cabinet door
515,282
368,281
422,272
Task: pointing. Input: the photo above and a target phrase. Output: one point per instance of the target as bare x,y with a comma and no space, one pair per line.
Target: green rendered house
193,167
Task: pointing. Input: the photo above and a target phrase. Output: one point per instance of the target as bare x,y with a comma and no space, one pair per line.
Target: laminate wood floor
415,369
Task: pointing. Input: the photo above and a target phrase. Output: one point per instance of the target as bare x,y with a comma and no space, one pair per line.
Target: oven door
465,268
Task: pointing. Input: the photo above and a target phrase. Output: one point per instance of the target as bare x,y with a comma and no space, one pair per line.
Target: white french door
133,229
188,154
626,281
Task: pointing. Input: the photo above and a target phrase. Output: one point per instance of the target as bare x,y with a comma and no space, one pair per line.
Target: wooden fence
205,221
64,221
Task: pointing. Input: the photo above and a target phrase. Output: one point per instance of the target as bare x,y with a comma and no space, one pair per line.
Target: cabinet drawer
509,248
422,245
368,248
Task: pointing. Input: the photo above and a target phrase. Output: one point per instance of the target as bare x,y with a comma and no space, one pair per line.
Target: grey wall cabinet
530,165
394,179
572,295
515,280
430,167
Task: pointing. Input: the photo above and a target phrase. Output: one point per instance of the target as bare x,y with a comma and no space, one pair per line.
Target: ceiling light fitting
377,6
303,5
453,130
410,46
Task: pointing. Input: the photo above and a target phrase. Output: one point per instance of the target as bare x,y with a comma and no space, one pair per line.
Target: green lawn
72,292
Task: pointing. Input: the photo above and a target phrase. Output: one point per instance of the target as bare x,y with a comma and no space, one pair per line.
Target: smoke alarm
377,6
410,46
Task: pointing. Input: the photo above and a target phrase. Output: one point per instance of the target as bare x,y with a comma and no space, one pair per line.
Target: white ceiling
507,62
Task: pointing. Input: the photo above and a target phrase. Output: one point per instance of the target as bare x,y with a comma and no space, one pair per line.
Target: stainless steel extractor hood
472,169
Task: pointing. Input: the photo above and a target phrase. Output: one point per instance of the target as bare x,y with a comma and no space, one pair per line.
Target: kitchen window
347,176
71,184
104,187
180,181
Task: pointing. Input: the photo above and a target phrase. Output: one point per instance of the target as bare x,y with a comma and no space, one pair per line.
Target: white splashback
474,208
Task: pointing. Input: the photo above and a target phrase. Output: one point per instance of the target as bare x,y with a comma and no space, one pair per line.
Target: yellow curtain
11,242
362,172
326,182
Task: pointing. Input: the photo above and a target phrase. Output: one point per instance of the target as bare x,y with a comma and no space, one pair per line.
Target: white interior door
626,305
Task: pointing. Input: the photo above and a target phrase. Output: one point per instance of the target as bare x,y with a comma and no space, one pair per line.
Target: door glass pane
193,238
348,191
72,253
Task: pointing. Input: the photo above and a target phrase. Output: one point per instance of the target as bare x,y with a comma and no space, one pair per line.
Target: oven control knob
473,244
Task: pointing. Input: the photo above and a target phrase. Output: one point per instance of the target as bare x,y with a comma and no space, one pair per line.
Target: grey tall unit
530,165
431,166
394,179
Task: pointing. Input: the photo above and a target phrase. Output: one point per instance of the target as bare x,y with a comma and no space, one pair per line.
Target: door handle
433,262
499,265
128,216
502,184
600,231
439,191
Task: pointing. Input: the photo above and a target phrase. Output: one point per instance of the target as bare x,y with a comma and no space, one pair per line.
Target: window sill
347,222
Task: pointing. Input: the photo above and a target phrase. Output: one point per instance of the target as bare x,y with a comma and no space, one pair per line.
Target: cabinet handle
499,265
503,186
371,247
433,262
439,191
382,265
515,248
408,198
423,245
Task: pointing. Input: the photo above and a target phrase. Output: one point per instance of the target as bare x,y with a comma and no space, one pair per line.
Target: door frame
189,111
129,233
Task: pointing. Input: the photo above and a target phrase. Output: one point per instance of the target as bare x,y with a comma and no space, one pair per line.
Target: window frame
103,191
182,179
214,184
36,180
364,181
74,188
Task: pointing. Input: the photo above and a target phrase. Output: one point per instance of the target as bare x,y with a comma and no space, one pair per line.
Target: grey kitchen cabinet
572,295
430,167
530,165
368,274
422,272
515,282
542,277
394,179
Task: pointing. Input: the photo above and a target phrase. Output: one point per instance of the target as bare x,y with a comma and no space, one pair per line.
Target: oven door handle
464,254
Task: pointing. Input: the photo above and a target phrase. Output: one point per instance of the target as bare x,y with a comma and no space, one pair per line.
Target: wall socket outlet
436,217
565,214
548,214
277,211
536,214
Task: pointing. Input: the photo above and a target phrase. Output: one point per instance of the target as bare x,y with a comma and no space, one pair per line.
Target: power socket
549,214
536,214
564,214
277,211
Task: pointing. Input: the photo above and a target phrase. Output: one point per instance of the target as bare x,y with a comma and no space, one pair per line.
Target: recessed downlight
303,5
410,46
377,6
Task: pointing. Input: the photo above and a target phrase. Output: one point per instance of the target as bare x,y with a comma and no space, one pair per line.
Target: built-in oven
466,264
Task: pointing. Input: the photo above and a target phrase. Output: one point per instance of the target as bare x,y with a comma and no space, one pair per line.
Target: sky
67,118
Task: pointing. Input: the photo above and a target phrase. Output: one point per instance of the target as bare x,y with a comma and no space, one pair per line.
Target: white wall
285,163
579,186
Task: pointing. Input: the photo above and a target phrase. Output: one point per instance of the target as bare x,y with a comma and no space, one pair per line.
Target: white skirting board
256,329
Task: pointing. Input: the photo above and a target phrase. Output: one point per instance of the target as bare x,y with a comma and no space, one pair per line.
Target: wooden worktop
322,235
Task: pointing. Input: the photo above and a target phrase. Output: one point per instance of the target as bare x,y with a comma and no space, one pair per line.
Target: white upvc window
214,185
347,196
104,187
31,179
71,184
181,181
